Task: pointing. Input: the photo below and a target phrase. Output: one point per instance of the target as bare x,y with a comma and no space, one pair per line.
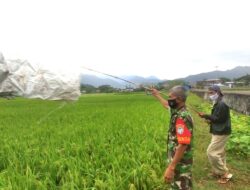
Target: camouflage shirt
181,132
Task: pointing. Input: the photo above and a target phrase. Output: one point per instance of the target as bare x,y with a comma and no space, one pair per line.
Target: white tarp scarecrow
27,80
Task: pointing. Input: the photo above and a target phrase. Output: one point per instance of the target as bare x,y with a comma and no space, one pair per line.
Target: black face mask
172,103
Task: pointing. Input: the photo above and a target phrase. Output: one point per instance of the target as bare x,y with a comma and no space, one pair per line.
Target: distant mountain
231,74
245,79
142,80
97,81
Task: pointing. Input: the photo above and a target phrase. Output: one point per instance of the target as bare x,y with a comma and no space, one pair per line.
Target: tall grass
100,142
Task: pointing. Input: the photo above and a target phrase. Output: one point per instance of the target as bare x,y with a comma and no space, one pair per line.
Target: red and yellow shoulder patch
182,132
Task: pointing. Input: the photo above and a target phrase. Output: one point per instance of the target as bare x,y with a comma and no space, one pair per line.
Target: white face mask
214,97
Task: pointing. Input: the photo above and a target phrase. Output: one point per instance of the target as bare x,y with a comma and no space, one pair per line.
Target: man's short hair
179,91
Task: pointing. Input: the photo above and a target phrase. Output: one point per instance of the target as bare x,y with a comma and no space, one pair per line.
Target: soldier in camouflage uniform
180,139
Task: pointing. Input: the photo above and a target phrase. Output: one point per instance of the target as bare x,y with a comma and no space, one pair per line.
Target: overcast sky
167,39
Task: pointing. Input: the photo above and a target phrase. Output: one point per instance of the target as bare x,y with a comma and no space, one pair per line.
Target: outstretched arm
156,94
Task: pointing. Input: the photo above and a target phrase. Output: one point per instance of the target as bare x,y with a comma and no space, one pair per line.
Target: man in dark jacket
220,128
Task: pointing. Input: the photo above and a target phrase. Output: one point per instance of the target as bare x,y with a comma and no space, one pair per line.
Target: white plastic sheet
25,79
3,69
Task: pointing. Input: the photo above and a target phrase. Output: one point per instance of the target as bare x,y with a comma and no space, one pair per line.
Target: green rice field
104,142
